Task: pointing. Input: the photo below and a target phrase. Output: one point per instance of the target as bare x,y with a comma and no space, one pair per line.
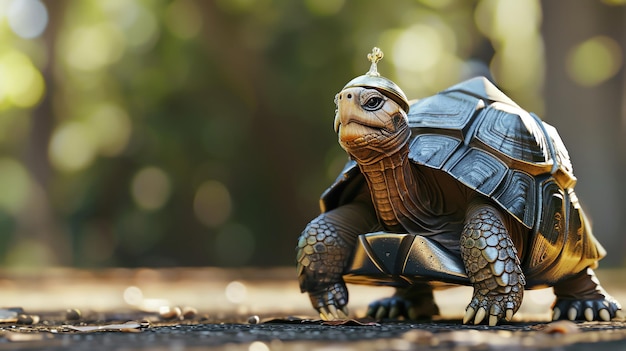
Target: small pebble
254,319
167,312
189,312
27,319
72,314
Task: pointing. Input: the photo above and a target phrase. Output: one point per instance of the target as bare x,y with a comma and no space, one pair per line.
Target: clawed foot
589,310
396,306
492,305
331,301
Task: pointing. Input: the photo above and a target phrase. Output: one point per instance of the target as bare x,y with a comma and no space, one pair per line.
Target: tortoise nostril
349,96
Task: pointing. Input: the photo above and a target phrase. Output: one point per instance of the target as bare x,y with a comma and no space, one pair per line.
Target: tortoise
461,188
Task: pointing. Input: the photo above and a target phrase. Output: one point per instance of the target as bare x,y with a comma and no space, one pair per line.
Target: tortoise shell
480,137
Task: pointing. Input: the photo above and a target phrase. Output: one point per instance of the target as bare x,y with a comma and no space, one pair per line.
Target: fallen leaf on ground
129,327
561,327
298,320
350,322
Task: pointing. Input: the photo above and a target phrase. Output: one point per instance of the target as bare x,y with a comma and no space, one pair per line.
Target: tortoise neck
389,181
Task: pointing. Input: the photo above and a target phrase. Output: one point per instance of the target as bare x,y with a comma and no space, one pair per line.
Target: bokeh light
27,18
72,147
236,292
15,185
508,20
133,296
112,127
212,203
594,61
258,346
425,53
21,84
418,48
150,188
93,47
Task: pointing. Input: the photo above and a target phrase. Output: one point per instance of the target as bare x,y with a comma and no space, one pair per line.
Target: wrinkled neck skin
389,174
375,152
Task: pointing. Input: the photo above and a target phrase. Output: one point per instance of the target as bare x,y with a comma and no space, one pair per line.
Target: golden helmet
373,79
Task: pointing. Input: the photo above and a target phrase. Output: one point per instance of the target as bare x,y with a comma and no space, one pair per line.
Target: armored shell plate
562,242
484,140
398,260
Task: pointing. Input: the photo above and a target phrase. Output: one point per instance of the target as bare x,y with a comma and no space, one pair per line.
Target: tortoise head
371,116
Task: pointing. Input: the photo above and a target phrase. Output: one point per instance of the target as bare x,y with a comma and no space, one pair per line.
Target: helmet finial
373,79
375,56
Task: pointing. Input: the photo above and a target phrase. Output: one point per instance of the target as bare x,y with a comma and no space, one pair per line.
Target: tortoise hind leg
581,297
414,302
492,266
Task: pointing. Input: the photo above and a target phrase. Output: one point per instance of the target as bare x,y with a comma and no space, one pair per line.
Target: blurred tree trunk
590,119
246,68
39,222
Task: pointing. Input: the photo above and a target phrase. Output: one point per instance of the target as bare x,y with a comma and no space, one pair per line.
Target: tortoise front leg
492,265
323,252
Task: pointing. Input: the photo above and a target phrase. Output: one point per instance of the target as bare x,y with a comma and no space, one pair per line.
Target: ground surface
179,309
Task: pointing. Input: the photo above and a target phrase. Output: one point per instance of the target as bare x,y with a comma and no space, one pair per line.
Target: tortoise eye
373,103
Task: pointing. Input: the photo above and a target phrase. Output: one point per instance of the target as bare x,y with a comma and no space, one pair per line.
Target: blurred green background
195,133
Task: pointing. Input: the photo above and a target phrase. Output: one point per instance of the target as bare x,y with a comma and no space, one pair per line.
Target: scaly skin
492,265
323,251
321,256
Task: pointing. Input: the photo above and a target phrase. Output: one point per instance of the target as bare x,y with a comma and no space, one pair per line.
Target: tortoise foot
331,301
493,307
590,310
403,305
395,307
389,307
581,297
